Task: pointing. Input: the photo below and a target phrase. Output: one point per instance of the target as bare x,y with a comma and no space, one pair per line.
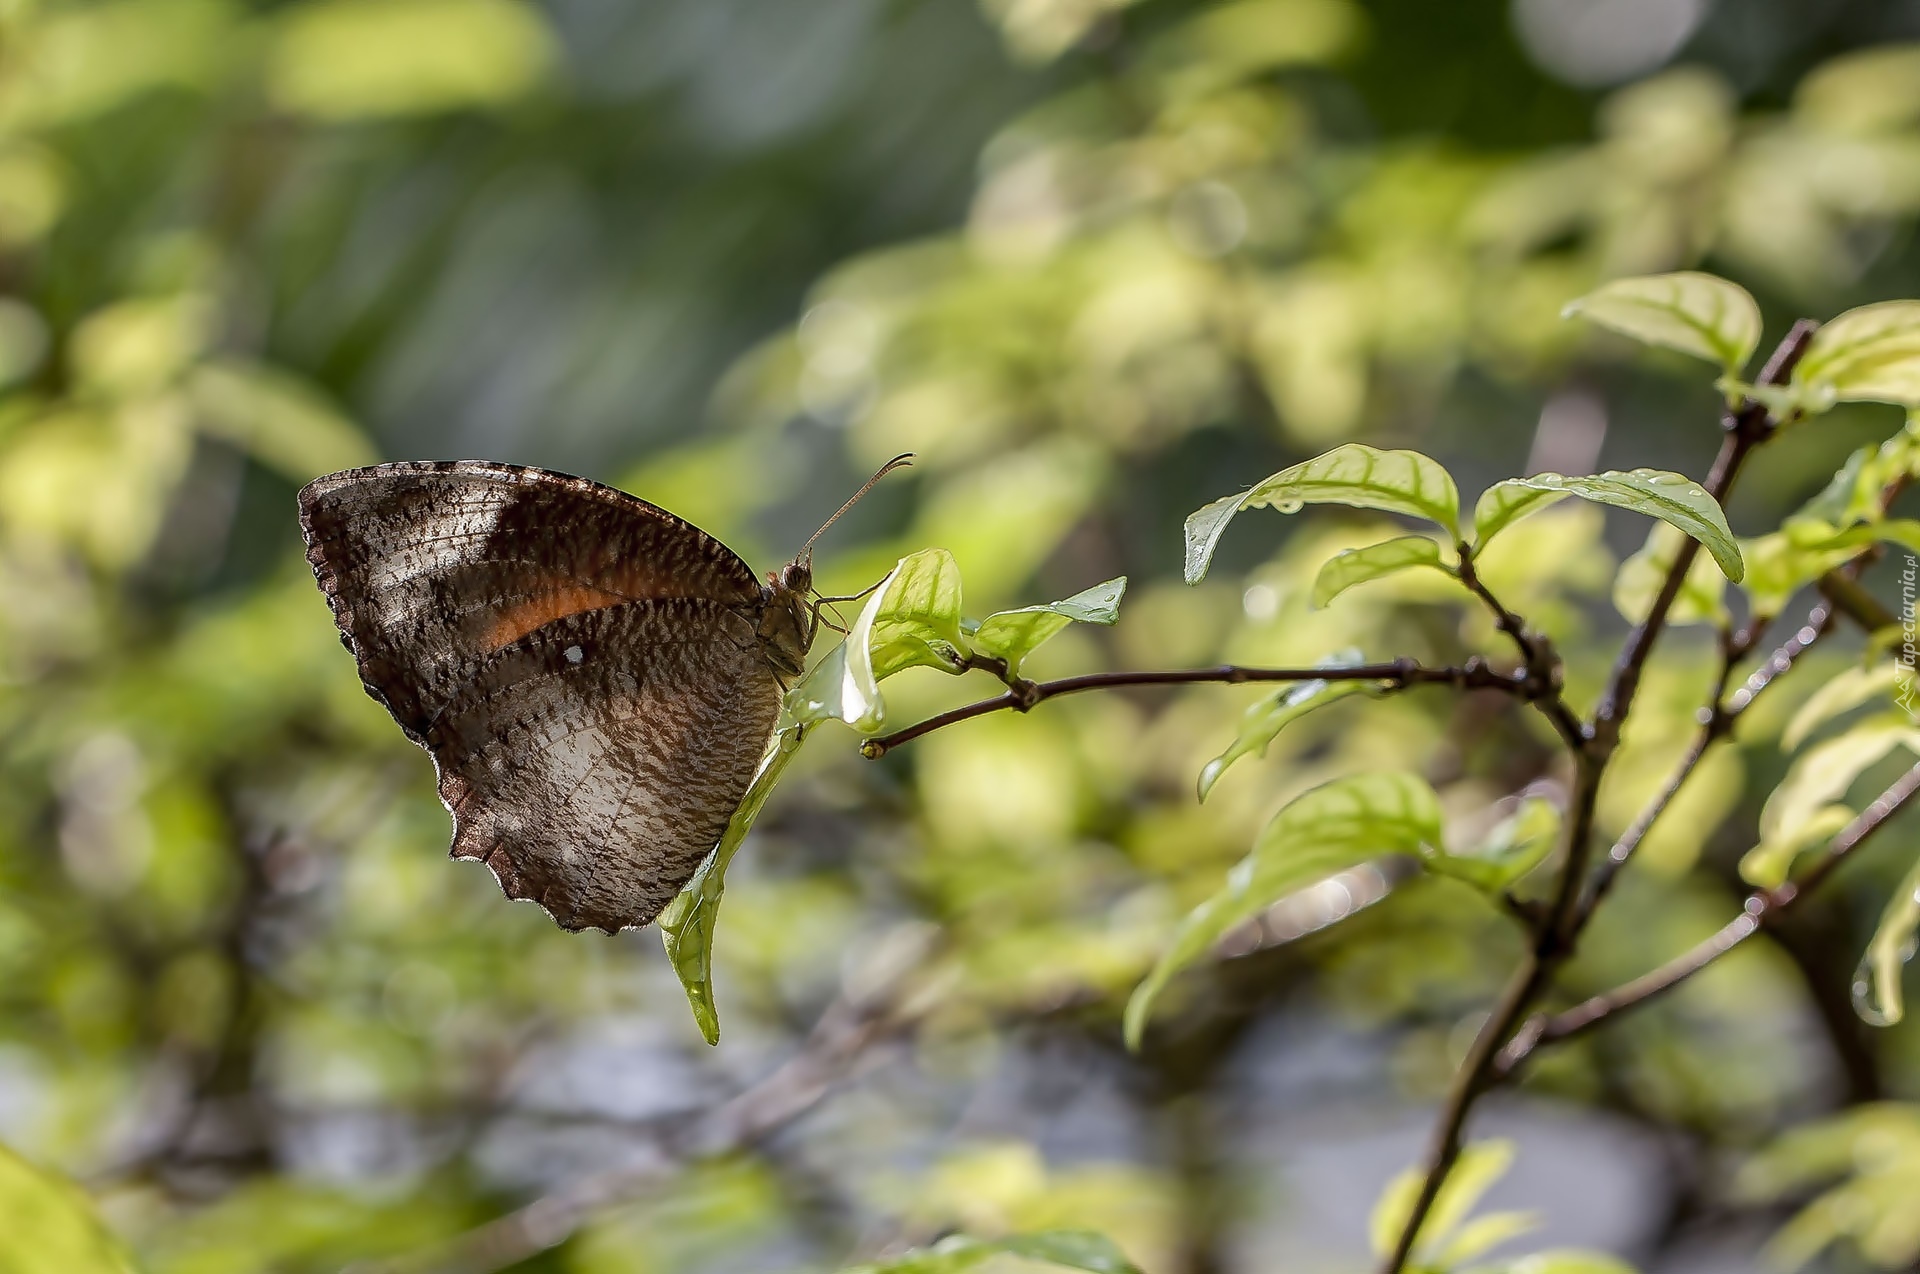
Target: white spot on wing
575,654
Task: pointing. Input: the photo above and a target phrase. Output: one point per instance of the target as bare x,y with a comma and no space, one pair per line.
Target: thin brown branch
1745,430
1591,750
1761,909
1537,658
1024,695
1721,714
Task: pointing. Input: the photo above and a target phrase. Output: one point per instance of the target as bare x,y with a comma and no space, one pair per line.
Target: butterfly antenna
898,462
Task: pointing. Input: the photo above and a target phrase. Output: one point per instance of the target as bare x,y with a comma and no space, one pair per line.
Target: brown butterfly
595,678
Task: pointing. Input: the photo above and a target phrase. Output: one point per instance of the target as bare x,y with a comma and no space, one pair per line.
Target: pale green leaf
1698,314
1567,1261
1843,693
1504,503
364,59
277,419
1326,830
1484,1233
1671,497
1871,353
1782,563
1641,577
1012,635
686,926
1375,561
1356,475
1479,1165
1514,847
1263,720
1067,1249
912,619
1823,773
1771,861
1880,1000
49,1226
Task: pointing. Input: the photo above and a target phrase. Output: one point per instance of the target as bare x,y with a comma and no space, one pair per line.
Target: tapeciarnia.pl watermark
1909,636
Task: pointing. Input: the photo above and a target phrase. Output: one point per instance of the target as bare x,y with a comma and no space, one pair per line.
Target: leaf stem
1023,695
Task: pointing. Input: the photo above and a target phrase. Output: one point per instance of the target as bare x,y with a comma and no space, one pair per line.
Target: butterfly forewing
431,567
582,665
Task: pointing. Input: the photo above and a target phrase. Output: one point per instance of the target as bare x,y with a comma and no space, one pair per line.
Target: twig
1722,712
1558,935
1761,909
1536,654
1023,695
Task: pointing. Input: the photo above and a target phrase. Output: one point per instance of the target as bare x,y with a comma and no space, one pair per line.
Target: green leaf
1477,1168
1264,719
1356,475
1326,830
1845,692
1012,635
1671,497
1567,1261
1698,314
48,1225
1801,811
1483,1234
1068,1249
911,620
1868,354
1514,847
1641,577
686,926
1504,503
1783,562
1880,1000
1357,566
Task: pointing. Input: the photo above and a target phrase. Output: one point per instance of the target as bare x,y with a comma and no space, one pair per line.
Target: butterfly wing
431,567
593,763
579,663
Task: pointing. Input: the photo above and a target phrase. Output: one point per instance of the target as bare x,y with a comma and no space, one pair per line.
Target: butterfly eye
796,577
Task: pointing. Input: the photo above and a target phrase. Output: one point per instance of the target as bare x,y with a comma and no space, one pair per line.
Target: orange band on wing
512,624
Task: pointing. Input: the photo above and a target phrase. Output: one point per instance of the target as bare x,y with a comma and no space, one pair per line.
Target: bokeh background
1097,262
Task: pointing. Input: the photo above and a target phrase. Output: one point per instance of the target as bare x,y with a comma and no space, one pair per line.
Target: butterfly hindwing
593,763
433,566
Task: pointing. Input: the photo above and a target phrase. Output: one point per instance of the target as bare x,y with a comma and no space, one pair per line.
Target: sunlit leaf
276,419
1012,635
1484,1233
1323,831
1262,722
912,619
1784,562
1871,353
49,1226
1356,475
1566,1262
1698,314
1504,503
360,59
1801,811
1514,847
1877,992
1843,693
1479,1165
1875,1149
686,926
1067,1249
1641,577
1671,497
1375,561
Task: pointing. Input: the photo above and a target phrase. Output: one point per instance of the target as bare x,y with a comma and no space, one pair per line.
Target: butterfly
595,678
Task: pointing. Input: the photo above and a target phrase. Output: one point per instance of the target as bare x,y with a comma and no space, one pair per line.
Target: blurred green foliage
1099,263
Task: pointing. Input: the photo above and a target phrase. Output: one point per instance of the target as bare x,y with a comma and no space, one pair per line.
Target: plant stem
1592,749
1761,909
1022,695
